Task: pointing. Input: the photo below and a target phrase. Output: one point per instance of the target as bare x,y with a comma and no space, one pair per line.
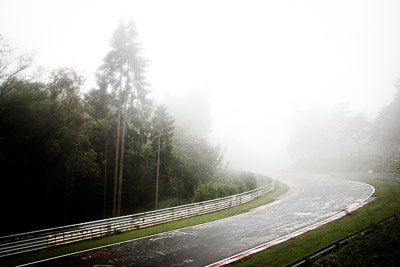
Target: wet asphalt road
308,202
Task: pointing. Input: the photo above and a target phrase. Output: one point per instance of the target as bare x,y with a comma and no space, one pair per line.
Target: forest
336,140
69,154
68,157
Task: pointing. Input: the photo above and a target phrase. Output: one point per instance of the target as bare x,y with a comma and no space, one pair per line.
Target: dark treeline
335,140
67,158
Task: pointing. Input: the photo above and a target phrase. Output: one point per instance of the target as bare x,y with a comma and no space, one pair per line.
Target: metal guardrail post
320,253
41,239
305,261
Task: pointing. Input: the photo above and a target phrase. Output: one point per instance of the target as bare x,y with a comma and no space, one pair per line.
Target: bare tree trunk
359,152
383,158
66,196
117,150
68,192
105,181
121,168
70,180
158,166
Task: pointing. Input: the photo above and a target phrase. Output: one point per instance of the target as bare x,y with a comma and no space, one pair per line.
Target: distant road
310,202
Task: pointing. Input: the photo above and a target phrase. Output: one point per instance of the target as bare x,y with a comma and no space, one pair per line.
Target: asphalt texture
308,202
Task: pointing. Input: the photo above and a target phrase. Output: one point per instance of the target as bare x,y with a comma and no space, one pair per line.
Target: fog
244,72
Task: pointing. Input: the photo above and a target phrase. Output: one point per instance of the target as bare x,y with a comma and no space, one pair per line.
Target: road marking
291,235
184,233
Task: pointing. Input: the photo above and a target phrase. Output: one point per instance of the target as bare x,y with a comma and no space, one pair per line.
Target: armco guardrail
366,175
36,240
318,254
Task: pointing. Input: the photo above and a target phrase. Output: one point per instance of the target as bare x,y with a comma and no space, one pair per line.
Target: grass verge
280,188
383,207
380,246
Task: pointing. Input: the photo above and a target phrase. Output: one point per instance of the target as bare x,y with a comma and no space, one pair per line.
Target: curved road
309,203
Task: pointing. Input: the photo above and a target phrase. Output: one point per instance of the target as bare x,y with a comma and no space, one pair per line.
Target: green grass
280,188
384,206
380,246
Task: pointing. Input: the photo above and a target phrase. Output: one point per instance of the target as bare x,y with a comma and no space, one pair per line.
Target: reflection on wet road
310,201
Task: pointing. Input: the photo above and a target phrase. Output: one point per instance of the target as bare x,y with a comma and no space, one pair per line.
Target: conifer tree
124,68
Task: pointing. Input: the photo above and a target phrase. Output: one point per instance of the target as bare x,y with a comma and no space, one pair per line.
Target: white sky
260,61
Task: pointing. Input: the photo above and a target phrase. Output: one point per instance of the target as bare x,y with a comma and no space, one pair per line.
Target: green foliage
195,162
206,191
172,202
280,188
386,130
380,247
58,148
123,71
298,247
386,133
231,183
23,157
246,180
329,139
69,146
13,66
162,129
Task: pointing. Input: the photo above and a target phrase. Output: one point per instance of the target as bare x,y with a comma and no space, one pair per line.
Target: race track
310,202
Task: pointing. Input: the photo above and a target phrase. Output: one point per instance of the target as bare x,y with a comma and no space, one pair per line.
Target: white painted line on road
131,240
291,235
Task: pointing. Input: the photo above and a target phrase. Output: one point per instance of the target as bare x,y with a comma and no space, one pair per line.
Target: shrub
172,202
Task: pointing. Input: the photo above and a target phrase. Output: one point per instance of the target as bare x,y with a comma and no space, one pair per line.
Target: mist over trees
67,158
192,112
12,67
335,140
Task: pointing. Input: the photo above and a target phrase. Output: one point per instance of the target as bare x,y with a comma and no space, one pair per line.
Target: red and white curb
289,236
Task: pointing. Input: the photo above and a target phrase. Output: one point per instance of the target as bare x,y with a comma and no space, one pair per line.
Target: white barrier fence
362,175
36,240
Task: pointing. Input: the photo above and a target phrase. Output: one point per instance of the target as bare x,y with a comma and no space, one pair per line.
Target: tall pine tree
124,71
